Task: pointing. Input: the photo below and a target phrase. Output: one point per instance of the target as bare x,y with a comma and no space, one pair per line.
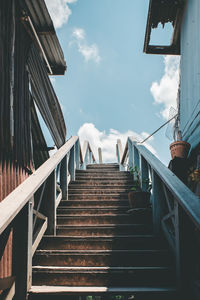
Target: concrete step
67,210
106,292
103,276
102,229
94,196
88,203
95,219
102,242
102,258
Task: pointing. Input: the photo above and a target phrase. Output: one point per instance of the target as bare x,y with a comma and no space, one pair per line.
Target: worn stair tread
102,186
101,237
63,269
92,208
102,225
44,289
94,215
111,251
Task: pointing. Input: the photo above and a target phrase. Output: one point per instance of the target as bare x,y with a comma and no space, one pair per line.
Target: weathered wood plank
157,203
22,250
72,163
100,155
10,294
39,236
49,203
63,177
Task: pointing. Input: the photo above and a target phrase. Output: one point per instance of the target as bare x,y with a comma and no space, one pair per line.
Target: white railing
30,210
175,209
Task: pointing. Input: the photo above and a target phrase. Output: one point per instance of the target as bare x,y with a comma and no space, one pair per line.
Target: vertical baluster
130,154
157,203
77,155
22,250
144,173
64,178
72,163
49,203
136,159
90,157
100,155
185,257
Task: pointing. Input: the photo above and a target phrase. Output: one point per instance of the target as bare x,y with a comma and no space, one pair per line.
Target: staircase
100,249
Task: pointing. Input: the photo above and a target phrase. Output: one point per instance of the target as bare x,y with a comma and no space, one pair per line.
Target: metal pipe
27,18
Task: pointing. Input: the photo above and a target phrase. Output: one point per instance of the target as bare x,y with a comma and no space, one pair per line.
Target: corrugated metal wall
10,177
15,118
190,74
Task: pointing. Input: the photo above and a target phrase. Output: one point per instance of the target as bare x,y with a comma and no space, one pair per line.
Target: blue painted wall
190,74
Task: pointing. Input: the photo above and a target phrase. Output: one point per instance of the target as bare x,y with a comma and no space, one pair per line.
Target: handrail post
184,239
22,250
72,163
136,160
119,154
130,154
144,173
157,203
90,157
77,155
49,209
100,155
64,177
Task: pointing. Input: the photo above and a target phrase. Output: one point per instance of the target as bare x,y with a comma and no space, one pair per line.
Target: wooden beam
100,155
72,163
63,177
22,250
157,203
39,236
49,203
144,171
10,293
58,199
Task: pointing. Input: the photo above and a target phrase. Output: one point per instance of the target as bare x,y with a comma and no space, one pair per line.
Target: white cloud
165,91
89,52
107,141
59,11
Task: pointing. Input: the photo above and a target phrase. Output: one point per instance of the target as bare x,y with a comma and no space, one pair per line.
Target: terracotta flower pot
179,149
138,199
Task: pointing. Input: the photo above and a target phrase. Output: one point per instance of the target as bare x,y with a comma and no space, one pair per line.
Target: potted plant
179,148
139,199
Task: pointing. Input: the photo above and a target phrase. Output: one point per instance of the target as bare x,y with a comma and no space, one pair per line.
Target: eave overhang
42,22
164,11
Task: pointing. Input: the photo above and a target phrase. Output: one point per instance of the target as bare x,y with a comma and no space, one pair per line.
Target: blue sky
111,88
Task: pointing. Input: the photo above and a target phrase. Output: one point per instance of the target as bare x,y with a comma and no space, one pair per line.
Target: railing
30,210
175,209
